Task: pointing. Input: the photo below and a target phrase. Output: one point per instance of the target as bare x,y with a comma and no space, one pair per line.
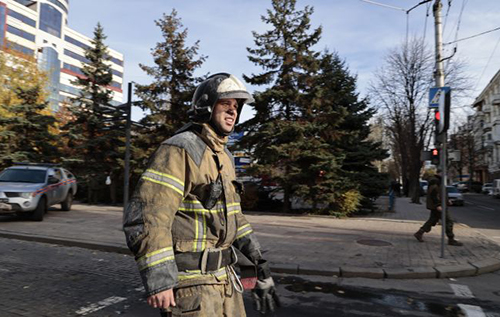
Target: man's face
224,114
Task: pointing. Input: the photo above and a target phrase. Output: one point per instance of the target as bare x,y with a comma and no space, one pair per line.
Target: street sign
436,96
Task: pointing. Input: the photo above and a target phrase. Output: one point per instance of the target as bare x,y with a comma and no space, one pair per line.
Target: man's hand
439,208
163,299
265,297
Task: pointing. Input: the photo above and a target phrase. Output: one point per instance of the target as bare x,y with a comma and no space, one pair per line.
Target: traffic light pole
127,147
440,83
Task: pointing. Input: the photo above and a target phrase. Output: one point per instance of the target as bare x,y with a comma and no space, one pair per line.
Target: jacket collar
216,142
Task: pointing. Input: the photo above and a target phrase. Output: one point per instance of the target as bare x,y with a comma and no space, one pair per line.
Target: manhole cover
374,243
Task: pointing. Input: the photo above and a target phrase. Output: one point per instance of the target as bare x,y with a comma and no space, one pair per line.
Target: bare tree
400,89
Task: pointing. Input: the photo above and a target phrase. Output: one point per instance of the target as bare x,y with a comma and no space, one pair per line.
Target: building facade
486,127
39,29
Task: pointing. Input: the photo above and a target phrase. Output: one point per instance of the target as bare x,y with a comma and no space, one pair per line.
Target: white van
496,188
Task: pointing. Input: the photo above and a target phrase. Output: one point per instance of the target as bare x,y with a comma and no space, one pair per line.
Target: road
39,279
480,212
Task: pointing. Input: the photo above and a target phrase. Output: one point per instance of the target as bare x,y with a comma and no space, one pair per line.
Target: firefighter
184,223
434,198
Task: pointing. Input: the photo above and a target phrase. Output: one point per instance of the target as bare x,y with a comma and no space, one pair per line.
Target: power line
384,5
487,64
473,36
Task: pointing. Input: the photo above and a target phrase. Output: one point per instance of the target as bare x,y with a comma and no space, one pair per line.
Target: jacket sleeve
148,218
246,242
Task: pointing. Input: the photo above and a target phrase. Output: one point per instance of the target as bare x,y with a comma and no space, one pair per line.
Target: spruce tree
278,136
339,94
167,99
28,133
94,134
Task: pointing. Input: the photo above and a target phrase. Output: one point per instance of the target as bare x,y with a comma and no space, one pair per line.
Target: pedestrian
434,199
184,223
392,195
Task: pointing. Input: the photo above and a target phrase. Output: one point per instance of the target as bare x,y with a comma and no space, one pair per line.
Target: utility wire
473,36
426,19
446,16
384,5
487,64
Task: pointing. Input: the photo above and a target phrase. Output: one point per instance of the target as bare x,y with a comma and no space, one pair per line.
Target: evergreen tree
167,99
278,136
93,134
359,152
28,133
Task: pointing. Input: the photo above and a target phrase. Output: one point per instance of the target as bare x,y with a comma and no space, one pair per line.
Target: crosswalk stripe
462,290
471,310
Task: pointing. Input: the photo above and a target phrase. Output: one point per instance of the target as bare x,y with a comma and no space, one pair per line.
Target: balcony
488,144
486,109
487,127
495,99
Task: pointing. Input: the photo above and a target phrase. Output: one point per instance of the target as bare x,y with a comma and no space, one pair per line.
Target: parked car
496,188
30,188
454,196
487,187
423,187
463,186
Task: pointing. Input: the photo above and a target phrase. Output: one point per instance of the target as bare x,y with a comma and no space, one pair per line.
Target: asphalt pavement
380,245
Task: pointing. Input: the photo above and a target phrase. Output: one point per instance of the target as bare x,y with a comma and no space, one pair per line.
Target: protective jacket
168,215
434,194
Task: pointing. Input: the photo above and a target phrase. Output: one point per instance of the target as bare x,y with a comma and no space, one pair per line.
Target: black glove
265,297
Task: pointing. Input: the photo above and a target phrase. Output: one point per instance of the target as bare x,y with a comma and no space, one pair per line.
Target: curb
463,270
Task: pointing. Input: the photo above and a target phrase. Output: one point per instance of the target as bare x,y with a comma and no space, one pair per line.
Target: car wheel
40,210
66,204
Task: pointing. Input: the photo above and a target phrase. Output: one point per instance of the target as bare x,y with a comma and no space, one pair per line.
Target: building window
21,33
22,18
73,68
116,61
116,84
19,48
50,63
70,90
3,19
50,19
76,56
76,42
59,4
117,73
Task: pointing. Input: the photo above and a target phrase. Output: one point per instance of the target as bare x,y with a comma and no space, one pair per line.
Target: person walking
434,199
184,223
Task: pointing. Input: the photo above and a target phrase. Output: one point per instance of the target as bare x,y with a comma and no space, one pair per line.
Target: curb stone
410,273
464,270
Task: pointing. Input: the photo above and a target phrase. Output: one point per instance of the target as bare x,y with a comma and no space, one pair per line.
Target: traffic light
435,157
442,115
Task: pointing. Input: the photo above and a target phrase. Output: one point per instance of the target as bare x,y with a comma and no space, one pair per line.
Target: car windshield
451,189
23,176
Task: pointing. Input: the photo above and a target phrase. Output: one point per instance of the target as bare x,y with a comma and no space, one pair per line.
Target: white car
454,196
30,189
487,188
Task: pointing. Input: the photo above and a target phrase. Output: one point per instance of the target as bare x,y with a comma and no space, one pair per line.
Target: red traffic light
435,152
438,116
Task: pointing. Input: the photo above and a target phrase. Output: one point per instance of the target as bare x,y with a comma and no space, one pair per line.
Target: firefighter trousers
211,300
434,217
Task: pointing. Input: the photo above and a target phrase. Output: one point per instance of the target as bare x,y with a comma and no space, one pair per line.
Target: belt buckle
204,259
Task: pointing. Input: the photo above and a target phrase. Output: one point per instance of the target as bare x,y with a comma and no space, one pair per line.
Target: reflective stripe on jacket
166,214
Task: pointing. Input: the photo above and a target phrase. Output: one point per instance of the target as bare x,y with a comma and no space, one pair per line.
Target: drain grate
374,243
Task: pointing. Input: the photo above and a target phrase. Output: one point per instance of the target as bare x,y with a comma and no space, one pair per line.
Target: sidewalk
376,246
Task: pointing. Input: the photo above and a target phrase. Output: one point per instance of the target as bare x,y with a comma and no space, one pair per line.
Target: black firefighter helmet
215,87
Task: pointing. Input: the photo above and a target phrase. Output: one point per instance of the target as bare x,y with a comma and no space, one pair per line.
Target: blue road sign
436,95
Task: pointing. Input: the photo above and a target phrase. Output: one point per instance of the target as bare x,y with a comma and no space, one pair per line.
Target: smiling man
184,223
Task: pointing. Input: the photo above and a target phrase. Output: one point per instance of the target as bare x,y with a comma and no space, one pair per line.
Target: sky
361,33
